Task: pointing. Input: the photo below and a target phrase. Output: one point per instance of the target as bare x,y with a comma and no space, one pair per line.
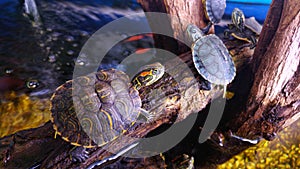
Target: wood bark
274,99
182,13
273,102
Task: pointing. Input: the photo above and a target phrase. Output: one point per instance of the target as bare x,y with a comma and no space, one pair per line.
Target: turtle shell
212,60
92,110
253,25
214,9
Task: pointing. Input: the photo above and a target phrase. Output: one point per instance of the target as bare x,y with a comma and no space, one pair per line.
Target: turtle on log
243,29
95,109
211,58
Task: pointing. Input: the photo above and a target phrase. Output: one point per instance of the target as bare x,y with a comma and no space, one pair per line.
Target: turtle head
147,75
193,32
238,19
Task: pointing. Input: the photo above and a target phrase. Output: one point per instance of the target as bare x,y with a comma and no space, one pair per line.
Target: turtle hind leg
227,94
218,89
78,154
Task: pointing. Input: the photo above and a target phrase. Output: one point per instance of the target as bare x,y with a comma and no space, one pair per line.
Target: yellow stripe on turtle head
148,75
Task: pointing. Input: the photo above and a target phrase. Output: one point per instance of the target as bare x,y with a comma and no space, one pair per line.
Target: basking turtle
214,11
100,105
211,58
243,29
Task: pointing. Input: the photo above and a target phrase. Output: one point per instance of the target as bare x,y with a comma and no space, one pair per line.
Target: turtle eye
154,72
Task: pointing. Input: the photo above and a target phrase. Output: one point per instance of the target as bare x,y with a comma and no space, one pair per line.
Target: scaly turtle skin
211,57
101,105
243,29
214,11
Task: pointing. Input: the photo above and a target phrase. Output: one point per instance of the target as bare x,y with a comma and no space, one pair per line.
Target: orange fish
139,37
142,50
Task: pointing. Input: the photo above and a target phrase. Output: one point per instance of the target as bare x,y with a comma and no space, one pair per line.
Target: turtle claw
79,154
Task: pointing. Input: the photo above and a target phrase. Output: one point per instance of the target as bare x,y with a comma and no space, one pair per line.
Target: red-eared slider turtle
214,11
243,29
211,58
101,105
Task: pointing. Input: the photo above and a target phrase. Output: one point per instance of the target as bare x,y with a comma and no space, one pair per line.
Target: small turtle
243,29
214,11
211,58
101,105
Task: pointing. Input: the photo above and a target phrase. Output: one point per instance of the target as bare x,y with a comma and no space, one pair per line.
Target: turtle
101,105
211,58
214,11
243,29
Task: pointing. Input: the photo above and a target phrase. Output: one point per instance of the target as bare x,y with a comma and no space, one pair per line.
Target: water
251,1
42,39
250,9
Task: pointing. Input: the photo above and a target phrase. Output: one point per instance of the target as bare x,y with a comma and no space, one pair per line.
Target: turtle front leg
206,29
146,114
227,34
78,153
253,41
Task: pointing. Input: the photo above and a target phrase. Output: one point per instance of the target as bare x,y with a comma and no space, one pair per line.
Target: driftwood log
267,91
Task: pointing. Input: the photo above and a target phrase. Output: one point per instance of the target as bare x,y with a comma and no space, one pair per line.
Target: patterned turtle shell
214,10
211,58
95,109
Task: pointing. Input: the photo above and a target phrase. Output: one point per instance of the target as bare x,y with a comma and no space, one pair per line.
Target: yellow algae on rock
20,111
282,152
